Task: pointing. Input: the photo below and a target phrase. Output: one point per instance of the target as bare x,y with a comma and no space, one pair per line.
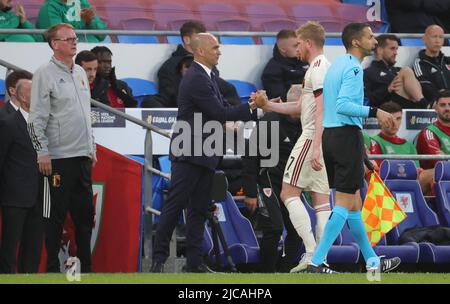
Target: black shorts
343,152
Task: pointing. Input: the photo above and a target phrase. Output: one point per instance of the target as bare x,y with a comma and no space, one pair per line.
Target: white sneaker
303,264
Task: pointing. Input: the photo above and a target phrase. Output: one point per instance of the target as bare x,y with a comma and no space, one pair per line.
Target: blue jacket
199,94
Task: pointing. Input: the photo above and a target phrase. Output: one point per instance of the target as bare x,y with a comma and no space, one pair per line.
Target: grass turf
227,278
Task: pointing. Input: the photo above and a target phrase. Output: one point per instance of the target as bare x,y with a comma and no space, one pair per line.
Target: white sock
323,213
301,222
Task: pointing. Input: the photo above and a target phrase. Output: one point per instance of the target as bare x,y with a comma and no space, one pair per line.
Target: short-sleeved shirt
312,85
343,94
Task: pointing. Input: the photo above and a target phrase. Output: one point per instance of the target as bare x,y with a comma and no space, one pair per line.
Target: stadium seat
320,12
137,39
442,190
2,89
174,40
118,14
400,176
333,41
141,88
236,40
144,24
380,26
412,42
269,17
271,40
358,13
243,88
222,17
171,16
238,232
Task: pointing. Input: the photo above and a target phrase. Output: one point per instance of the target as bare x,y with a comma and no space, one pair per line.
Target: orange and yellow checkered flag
380,212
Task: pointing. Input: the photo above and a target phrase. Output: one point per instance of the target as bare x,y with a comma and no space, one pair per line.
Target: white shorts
299,173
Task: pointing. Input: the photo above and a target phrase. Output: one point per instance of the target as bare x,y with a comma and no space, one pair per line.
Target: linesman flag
380,212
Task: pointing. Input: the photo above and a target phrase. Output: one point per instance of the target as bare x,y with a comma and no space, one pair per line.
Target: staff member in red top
107,88
387,142
435,139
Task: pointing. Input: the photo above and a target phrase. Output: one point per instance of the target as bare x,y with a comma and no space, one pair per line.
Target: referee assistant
343,146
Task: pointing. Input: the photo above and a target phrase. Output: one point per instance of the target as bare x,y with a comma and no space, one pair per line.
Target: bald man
192,170
432,67
19,190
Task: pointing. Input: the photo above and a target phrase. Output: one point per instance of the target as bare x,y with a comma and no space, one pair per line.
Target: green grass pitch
228,278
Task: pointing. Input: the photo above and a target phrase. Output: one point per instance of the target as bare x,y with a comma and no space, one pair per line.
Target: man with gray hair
192,172
20,194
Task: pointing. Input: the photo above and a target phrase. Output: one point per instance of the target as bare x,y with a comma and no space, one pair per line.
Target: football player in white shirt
305,170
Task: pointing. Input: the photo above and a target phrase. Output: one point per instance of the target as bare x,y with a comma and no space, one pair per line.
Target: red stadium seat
171,16
269,17
222,17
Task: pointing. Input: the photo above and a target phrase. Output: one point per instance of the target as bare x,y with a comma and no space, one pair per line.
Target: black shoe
323,268
387,265
157,267
202,268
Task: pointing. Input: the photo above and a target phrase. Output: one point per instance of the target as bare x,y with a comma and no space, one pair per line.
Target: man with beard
383,81
343,147
14,20
435,139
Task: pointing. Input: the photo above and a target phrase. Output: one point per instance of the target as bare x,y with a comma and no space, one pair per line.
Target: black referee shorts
343,152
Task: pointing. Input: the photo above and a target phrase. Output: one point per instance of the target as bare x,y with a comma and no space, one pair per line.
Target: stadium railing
164,34
148,168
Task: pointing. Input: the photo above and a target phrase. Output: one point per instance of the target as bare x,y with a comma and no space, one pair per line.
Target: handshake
260,100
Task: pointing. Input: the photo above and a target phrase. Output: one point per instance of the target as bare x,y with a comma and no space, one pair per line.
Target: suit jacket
199,93
19,175
6,109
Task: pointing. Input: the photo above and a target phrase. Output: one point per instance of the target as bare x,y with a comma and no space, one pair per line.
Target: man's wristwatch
373,112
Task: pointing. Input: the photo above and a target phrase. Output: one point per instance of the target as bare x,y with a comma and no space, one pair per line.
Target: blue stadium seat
137,39
400,176
141,88
243,88
238,232
2,89
107,39
333,41
269,40
412,42
174,40
442,190
241,40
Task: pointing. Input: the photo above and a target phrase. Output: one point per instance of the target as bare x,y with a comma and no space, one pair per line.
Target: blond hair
51,33
313,31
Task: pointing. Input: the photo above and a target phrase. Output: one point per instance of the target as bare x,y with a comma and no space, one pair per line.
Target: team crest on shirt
356,71
267,191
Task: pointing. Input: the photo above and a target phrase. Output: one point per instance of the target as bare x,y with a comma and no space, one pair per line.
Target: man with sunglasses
61,133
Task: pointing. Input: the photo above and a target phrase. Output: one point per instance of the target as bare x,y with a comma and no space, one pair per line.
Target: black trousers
24,227
72,193
272,229
190,188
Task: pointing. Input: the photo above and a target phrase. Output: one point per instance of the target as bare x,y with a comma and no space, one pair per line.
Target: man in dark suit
12,105
19,191
192,173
